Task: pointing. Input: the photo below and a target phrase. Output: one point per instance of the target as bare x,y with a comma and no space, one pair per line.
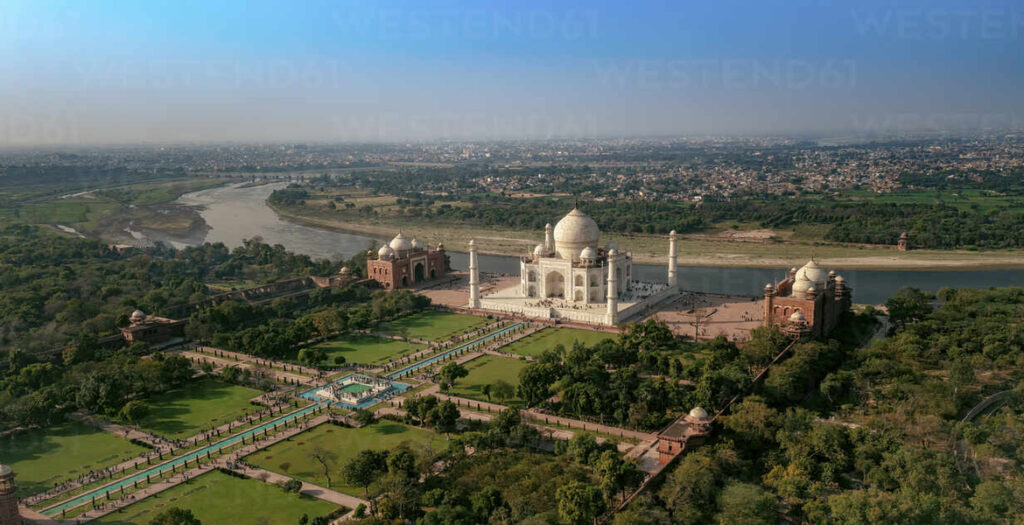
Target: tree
486,390
535,382
579,503
293,486
746,504
134,411
907,305
323,457
175,516
364,417
312,357
450,373
365,468
502,390
443,417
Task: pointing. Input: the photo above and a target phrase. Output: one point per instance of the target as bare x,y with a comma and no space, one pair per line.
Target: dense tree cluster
113,383
277,329
879,434
55,289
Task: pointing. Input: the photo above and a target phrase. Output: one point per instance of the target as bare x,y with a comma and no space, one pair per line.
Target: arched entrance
417,273
579,295
405,281
433,273
554,284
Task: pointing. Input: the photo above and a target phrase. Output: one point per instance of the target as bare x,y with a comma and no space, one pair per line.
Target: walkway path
221,362
269,363
535,415
255,435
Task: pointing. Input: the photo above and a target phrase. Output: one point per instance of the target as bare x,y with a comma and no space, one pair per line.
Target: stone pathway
177,479
221,362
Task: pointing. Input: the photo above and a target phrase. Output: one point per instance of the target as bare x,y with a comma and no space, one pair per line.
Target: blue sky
101,71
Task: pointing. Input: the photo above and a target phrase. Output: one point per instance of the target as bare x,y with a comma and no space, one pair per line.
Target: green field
43,457
340,444
367,349
433,325
535,344
219,498
486,370
202,404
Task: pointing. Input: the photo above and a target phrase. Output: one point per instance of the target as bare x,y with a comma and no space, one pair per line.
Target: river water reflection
235,213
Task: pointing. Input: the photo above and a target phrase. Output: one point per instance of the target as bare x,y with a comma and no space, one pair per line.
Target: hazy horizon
94,73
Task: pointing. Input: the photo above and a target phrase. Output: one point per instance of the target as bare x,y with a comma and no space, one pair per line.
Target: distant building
152,329
343,277
403,262
808,303
904,243
8,497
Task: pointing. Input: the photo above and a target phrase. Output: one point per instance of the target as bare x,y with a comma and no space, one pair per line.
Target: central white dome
574,232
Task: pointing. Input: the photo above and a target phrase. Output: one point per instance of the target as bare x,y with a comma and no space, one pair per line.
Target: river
235,213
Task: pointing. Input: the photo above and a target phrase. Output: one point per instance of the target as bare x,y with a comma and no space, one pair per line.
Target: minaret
672,280
474,277
613,291
769,303
549,239
8,497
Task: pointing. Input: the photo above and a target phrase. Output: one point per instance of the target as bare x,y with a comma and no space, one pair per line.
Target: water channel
235,213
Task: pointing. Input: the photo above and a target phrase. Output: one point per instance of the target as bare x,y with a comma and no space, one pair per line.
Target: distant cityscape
685,169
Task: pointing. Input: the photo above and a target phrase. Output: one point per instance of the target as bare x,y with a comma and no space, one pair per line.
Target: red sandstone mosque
808,303
403,262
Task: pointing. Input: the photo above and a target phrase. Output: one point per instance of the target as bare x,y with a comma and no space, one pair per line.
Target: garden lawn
434,325
536,343
199,405
486,370
219,498
42,457
293,457
367,349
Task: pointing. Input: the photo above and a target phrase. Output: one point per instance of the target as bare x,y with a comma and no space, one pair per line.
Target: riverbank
693,250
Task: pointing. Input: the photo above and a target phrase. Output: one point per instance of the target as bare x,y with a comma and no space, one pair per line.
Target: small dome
385,252
538,250
612,252
768,287
839,279
797,317
417,245
672,233
699,413
400,243
138,315
345,270
588,253
812,290
801,284
812,272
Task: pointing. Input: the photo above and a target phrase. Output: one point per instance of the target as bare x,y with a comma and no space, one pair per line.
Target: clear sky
98,71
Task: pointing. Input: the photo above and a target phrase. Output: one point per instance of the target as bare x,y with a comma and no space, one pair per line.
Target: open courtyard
219,498
487,370
433,325
200,405
367,349
337,445
44,457
547,339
